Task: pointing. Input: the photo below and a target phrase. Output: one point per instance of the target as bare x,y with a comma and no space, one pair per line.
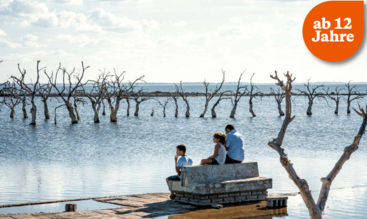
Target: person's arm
216,149
227,143
178,166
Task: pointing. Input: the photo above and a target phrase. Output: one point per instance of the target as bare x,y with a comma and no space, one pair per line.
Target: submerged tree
23,98
11,97
180,91
138,97
96,94
117,90
45,92
335,96
238,95
214,114
253,92
163,103
311,94
279,96
104,107
352,91
68,88
29,89
209,96
175,98
315,208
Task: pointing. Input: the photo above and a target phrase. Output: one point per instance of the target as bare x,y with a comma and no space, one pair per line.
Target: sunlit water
64,161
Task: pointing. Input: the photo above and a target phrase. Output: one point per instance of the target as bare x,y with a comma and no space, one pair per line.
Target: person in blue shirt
181,160
235,145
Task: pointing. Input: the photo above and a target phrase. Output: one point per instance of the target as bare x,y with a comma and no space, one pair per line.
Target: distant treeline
111,88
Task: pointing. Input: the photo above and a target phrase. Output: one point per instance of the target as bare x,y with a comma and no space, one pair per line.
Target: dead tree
138,97
11,97
104,107
214,114
335,96
68,88
118,90
238,95
311,94
209,96
352,91
29,89
175,98
315,208
252,92
128,106
180,91
279,96
45,92
163,103
97,93
76,101
23,97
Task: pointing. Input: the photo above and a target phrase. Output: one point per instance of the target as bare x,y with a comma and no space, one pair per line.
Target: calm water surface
64,161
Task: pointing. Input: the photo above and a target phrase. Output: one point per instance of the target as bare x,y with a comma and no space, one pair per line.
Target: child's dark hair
222,137
230,127
181,147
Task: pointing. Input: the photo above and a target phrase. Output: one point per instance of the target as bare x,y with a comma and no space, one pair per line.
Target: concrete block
217,200
222,195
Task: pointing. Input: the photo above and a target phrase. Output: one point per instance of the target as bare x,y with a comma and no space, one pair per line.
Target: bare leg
206,161
168,185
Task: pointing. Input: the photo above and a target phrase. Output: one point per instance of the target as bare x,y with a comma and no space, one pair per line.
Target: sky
166,40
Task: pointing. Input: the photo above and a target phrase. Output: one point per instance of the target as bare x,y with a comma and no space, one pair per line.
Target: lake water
135,155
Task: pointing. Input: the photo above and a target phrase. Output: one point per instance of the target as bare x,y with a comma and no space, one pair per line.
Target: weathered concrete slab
218,173
229,186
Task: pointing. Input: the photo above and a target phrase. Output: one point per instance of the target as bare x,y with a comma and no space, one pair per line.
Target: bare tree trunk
76,109
104,108
187,114
164,112
337,107
72,115
348,107
205,109
12,112
113,116
214,115
251,108
281,113
33,111
233,112
45,109
137,109
176,110
309,108
24,109
96,112
128,107
152,114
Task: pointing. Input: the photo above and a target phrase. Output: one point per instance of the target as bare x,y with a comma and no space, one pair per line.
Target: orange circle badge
333,30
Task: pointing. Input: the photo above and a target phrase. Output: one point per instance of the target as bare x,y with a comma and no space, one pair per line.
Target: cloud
2,33
22,8
33,44
8,44
111,22
69,2
235,20
179,24
29,37
229,31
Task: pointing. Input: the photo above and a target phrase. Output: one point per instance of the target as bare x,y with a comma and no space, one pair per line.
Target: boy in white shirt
183,161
